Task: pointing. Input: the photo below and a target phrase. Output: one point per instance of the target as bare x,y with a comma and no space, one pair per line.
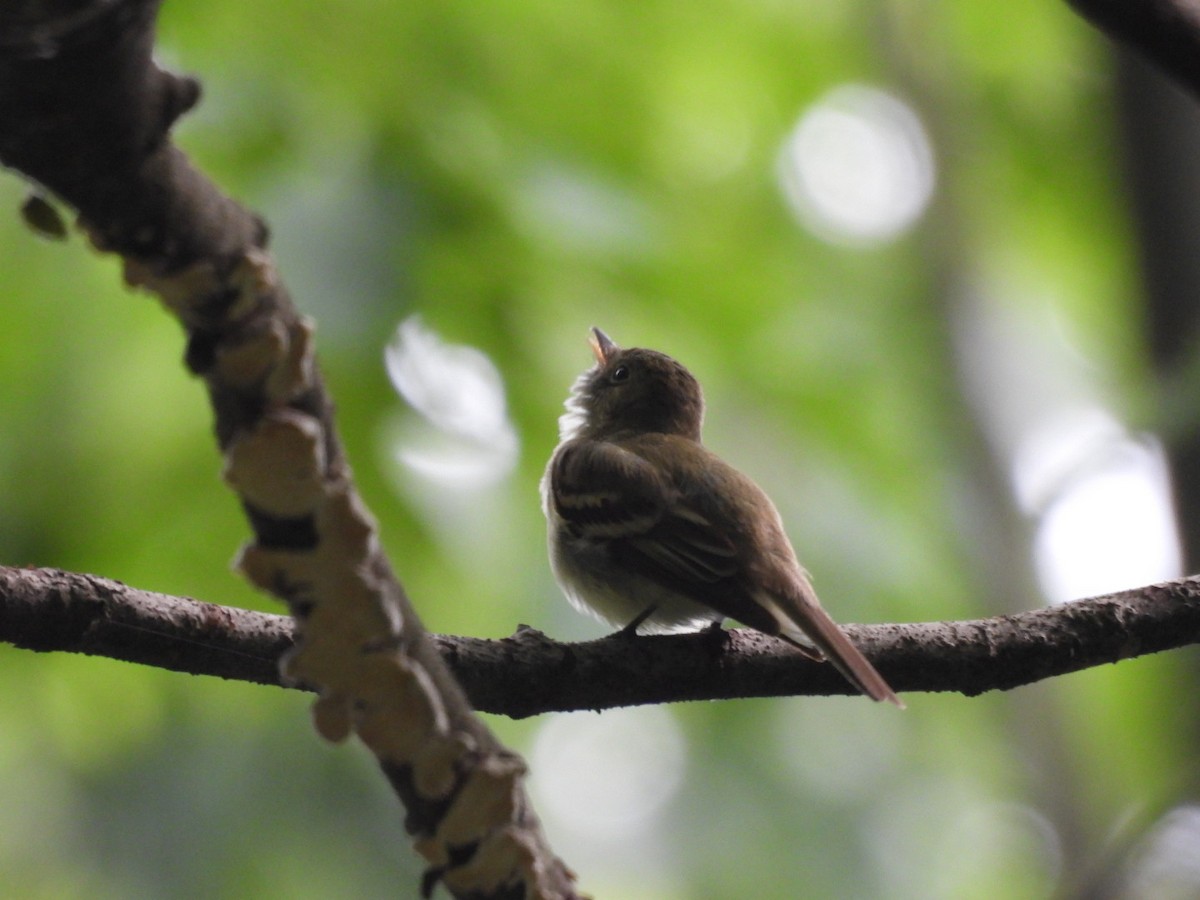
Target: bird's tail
806,623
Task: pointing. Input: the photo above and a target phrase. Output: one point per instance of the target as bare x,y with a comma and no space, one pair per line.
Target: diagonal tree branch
528,673
86,112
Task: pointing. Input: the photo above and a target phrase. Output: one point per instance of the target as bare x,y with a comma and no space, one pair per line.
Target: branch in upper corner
1165,31
529,673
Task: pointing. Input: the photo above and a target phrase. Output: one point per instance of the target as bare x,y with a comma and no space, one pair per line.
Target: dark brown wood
530,673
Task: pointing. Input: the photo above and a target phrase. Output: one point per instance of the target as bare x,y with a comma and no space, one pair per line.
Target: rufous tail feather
813,623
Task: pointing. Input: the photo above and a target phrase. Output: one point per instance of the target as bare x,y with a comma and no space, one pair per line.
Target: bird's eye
619,374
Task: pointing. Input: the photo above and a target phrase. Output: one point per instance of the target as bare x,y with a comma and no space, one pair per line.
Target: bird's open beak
602,346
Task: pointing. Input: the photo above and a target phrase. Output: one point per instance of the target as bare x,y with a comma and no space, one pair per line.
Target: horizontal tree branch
529,673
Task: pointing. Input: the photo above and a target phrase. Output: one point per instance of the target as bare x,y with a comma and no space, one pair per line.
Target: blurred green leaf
515,173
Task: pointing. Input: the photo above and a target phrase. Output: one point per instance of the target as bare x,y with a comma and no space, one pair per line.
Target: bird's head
632,391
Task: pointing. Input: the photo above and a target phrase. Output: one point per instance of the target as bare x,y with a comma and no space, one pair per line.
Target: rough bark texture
528,673
86,112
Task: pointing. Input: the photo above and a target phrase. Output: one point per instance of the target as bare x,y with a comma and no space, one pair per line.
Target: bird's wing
613,496
606,493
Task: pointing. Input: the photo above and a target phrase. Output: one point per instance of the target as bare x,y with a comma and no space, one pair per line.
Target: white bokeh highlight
858,167
1110,525
1098,495
603,784
1167,864
465,439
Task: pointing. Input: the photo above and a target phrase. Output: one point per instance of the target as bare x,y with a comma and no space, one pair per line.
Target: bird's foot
715,636
630,630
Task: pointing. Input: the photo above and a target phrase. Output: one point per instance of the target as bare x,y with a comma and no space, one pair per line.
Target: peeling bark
85,112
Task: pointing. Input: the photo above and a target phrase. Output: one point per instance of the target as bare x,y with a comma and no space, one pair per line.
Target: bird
649,529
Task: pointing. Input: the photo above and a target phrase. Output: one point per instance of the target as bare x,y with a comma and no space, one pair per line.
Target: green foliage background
400,153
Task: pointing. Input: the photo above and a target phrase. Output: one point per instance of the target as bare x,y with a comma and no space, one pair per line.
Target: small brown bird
648,528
